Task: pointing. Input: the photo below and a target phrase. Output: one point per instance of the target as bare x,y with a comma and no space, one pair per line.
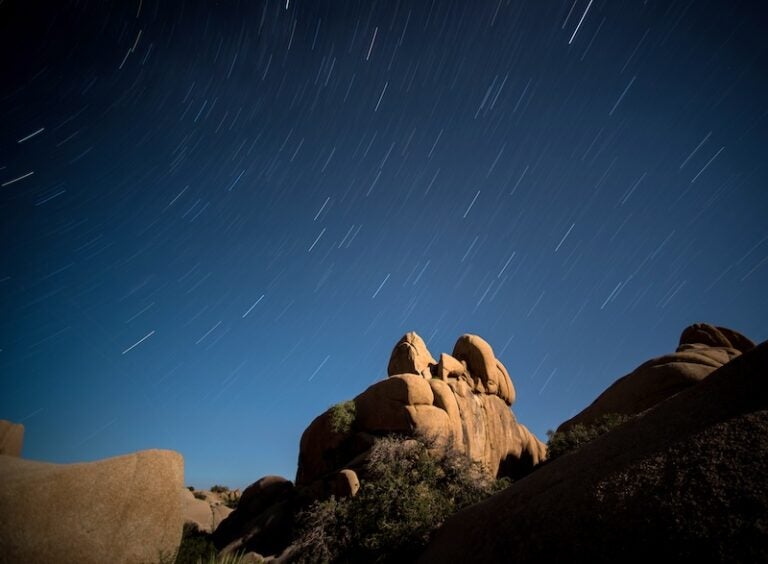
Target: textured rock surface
684,482
204,514
703,348
487,371
461,401
11,438
263,520
410,356
125,509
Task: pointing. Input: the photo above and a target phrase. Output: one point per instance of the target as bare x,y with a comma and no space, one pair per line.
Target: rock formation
204,515
684,481
702,349
461,401
124,509
11,438
263,519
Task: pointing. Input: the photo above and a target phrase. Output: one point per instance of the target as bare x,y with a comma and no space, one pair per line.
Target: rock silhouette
685,479
703,348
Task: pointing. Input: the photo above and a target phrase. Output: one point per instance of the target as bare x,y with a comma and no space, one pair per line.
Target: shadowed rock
685,481
263,520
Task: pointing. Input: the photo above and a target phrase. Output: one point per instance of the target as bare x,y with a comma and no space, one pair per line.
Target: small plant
580,434
343,416
195,546
219,489
231,499
199,495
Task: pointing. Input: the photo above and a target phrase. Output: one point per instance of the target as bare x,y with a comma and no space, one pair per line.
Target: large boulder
683,482
703,348
263,520
11,438
125,509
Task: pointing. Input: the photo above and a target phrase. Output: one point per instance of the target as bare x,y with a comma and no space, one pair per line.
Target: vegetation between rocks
562,442
409,491
343,416
197,548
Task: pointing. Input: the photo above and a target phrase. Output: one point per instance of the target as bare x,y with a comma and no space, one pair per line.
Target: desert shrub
407,493
566,441
343,416
232,499
199,495
195,546
219,489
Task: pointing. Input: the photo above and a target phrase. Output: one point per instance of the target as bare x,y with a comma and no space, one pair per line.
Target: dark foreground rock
683,482
263,520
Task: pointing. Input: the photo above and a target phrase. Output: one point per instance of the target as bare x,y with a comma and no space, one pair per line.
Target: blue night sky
218,218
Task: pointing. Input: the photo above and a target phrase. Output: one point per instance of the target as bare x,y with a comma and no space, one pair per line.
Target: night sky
219,217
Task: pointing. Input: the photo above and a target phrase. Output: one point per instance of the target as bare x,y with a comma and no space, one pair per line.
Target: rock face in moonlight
460,400
703,348
125,509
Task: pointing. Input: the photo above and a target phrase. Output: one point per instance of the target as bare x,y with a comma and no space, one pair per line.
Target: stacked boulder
460,401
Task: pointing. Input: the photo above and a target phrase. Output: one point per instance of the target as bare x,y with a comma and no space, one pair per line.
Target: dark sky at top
219,217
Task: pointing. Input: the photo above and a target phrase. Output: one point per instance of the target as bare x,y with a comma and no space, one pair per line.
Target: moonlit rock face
125,509
703,348
464,406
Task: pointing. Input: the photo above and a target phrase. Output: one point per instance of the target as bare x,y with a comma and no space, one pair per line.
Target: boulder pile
459,401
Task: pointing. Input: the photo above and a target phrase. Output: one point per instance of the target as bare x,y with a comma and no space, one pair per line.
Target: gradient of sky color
218,218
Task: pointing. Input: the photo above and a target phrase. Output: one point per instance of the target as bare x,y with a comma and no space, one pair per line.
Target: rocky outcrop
461,401
11,438
205,514
125,509
684,481
410,356
263,520
703,348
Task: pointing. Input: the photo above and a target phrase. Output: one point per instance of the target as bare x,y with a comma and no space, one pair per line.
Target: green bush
343,416
406,494
195,546
219,489
566,441
199,495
